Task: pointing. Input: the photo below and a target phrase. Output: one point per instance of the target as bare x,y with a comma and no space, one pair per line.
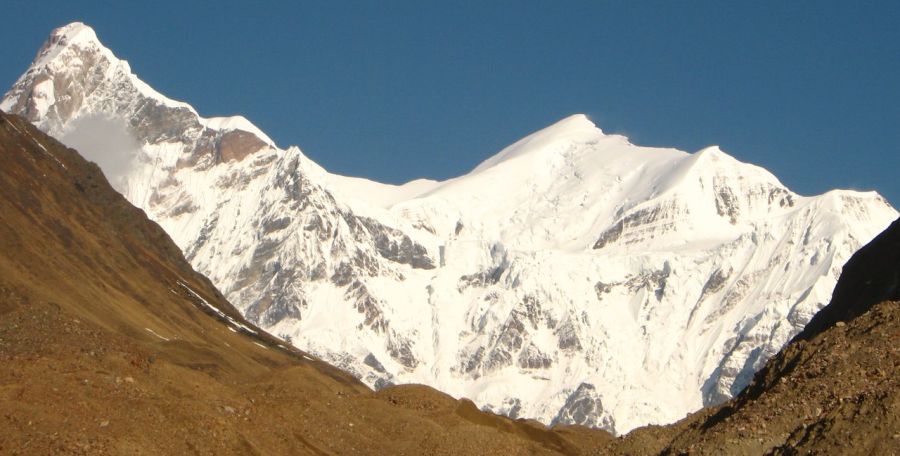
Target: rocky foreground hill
112,344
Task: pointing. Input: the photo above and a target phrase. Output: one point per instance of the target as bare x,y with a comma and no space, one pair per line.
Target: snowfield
573,277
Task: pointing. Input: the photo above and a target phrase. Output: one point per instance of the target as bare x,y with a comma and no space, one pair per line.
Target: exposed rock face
583,407
237,144
395,246
662,278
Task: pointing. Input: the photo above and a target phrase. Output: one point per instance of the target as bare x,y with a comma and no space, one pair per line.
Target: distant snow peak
75,75
74,31
74,34
575,121
572,278
575,128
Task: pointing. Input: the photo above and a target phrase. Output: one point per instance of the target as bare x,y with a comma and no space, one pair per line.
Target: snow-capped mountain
573,277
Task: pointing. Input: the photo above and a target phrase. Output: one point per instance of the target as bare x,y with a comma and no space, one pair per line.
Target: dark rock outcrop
871,276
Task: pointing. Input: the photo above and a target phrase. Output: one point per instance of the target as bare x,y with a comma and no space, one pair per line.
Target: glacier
572,278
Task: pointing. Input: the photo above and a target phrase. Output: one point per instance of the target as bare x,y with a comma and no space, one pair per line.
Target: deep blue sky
399,90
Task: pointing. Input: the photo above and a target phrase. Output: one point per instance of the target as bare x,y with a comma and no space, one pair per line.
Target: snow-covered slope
573,277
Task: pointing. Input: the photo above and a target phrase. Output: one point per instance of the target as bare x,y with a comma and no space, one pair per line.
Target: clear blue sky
399,90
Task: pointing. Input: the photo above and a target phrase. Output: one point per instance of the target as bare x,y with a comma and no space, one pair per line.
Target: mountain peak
74,35
75,75
75,31
711,150
576,127
576,121
714,156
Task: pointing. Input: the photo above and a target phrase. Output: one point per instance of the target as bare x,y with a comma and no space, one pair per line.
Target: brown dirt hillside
107,347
